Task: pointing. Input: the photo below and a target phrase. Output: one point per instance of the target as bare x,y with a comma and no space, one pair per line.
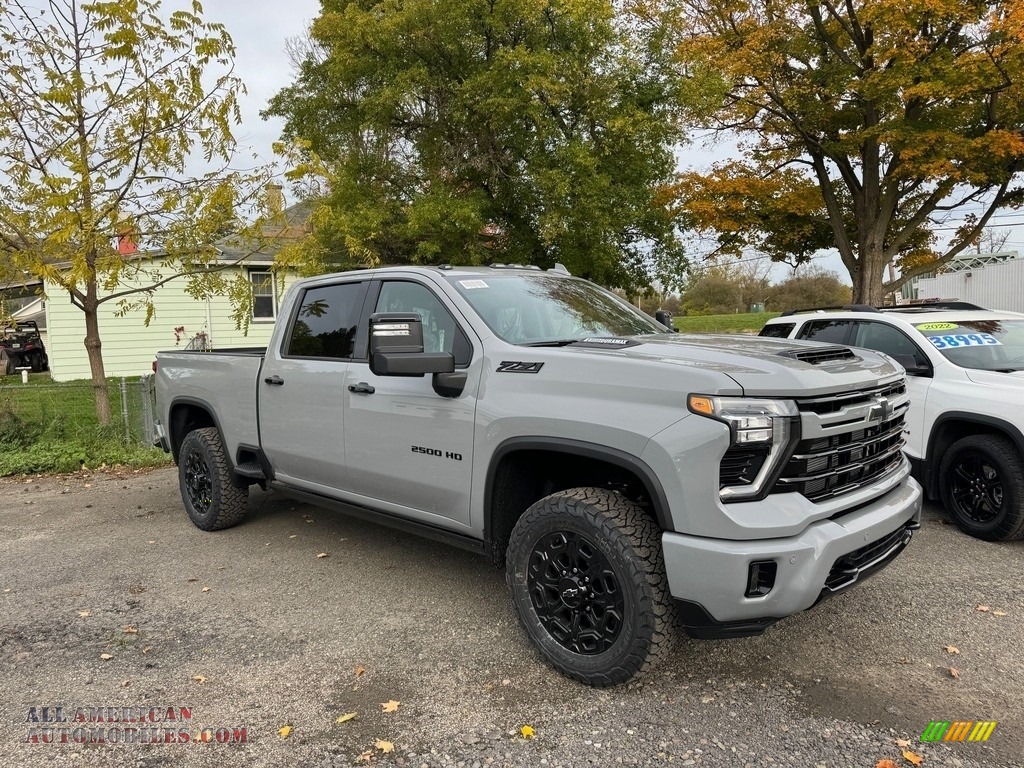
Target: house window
264,296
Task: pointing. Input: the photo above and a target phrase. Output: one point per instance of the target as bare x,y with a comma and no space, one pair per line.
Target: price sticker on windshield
964,340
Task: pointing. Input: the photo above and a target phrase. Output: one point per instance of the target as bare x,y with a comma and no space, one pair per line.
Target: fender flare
930,472
652,485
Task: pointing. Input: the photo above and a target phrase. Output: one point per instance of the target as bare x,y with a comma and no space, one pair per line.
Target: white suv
965,369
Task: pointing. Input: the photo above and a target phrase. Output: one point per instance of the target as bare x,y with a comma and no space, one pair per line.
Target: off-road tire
615,529
981,479
211,498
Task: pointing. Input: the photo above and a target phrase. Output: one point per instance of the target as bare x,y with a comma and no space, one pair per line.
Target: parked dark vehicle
24,347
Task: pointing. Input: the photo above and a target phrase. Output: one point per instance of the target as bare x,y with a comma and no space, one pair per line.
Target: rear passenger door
302,387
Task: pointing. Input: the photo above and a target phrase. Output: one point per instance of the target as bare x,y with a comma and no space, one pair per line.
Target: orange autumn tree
864,125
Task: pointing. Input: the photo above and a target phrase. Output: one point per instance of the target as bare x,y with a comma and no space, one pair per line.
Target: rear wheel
211,498
587,580
982,486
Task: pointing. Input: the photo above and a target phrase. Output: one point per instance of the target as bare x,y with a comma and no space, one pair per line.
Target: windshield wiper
551,343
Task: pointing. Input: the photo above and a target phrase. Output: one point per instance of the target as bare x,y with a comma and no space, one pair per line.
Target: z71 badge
509,366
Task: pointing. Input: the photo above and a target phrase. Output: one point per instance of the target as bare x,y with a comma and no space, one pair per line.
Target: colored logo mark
958,730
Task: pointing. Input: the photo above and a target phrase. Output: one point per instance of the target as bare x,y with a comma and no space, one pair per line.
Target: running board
384,518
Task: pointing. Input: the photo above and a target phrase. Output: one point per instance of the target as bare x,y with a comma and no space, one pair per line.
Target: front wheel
587,580
212,499
982,486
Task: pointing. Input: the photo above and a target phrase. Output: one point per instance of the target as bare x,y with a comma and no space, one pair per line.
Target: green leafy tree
808,287
104,109
876,120
520,131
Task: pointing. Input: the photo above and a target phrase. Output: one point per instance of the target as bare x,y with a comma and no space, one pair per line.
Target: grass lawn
748,322
51,427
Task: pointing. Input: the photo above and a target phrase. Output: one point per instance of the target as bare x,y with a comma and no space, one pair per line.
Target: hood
761,366
1014,381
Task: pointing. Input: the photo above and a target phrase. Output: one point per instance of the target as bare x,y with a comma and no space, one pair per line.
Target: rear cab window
827,331
778,330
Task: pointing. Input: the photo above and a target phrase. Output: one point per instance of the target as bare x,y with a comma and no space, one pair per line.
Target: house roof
290,225
35,311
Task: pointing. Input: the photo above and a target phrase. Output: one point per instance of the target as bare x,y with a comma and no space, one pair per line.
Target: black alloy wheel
577,596
981,479
586,576
214,498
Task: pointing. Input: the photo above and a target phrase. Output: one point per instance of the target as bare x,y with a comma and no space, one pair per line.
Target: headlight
761,434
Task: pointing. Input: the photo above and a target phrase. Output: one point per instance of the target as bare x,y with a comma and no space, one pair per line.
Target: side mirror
396,347
912,366
665,318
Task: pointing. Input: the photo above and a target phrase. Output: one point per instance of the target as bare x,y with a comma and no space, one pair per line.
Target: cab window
440,331
778,330
884,338
828,331
326,322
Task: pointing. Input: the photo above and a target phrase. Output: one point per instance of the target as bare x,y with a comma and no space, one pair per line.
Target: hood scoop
820,355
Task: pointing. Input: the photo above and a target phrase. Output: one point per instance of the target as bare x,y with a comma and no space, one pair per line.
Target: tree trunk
92,348
868,282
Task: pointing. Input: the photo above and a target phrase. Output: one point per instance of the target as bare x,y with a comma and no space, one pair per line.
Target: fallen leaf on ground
384,746
885,762
346,717
365,757
207,589
125,683
982,608
954,672
912,757
83,614
998,613
360,670
294,536
951,649
147,649
284,731
106,656
527,731
130,630
151,542
199,678
192,579
323,554
390,706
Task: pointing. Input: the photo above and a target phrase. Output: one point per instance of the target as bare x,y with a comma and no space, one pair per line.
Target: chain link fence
36,410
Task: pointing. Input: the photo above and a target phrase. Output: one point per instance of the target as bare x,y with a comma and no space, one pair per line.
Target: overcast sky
259,29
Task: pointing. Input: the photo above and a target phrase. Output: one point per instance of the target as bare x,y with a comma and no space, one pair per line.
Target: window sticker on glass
964,340
472,284
936,326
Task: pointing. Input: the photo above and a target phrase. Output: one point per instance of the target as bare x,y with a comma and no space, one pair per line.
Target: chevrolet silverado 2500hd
628,478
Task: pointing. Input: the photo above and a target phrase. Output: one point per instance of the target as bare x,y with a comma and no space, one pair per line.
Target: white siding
129,345
996,286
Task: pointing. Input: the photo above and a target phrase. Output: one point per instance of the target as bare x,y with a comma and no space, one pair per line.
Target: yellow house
130,346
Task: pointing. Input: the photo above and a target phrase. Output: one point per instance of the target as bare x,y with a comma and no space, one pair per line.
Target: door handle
362,388
277,381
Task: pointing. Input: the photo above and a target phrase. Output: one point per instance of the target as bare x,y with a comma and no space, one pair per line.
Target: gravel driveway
113,602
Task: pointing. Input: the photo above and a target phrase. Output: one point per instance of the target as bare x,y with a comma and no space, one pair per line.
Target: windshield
532,309
989,345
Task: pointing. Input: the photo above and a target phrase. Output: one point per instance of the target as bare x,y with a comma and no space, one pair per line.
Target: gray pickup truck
629,479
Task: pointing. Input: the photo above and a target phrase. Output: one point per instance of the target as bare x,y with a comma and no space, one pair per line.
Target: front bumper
708,577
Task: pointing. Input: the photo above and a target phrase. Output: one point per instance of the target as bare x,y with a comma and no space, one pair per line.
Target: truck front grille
827,466
833,403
